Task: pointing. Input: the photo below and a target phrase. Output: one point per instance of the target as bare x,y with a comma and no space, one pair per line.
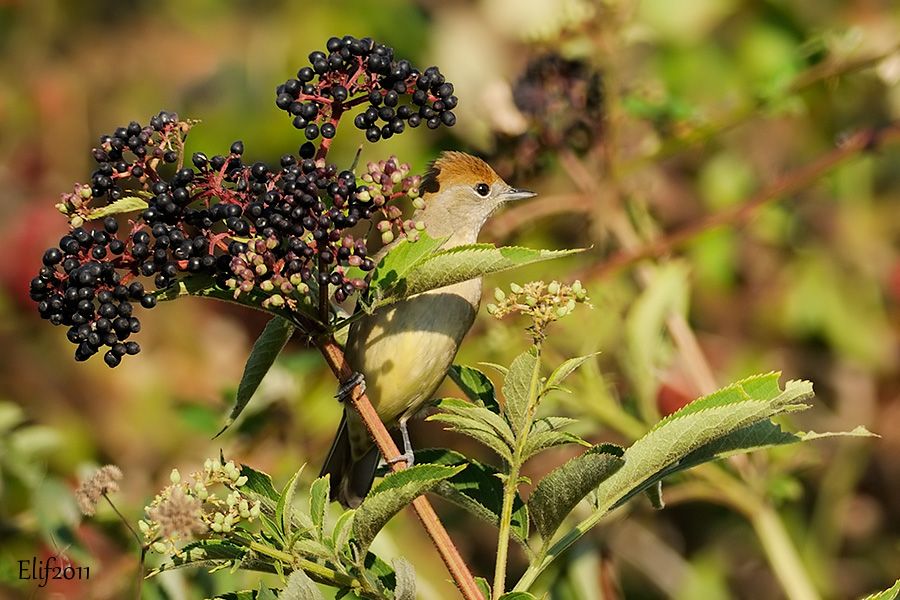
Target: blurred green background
650,116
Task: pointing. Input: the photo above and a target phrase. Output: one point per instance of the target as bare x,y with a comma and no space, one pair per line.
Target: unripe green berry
387,237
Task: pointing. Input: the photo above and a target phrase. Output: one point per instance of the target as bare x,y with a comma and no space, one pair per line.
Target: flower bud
175,476
499,295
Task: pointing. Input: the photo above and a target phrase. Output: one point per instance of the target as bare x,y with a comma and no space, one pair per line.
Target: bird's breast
405,350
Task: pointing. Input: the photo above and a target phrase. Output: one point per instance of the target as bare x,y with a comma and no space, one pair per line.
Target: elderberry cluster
359,71
562,101
286,238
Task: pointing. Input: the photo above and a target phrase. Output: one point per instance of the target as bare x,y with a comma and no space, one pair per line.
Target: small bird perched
404,351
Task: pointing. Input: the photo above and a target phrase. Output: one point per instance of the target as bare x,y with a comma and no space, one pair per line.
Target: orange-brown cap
453,168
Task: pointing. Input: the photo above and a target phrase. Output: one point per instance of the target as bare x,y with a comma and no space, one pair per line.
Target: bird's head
460,193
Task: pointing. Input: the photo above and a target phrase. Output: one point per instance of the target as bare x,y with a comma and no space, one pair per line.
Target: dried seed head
104,480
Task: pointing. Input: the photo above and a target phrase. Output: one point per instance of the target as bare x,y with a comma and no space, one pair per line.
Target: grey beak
517,194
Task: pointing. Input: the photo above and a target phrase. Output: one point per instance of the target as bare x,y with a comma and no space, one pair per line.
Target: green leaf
462,408
406,579
343,528
122,205
484,587
212,553
398,262
475,429
285,505
393,493
462,263
891,593
517,388
300,587
318,501
563,488
476,386
566,369
259,483
542,440
264,593
239,595
477,489
518,596
708,420
265,350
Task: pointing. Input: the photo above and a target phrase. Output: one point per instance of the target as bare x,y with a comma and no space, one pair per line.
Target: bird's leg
347,387
408,457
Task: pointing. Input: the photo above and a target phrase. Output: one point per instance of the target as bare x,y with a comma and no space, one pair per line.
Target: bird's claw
408,457
347,387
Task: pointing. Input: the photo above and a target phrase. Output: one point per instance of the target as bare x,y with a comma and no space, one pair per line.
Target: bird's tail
350,480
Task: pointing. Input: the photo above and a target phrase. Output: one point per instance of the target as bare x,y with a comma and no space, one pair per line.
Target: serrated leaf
300,587
398,262
455,406
563,488
406,579
764,434
517,388
477,489
265,350
318,501
285,505
566,369
122,205
891,593
718,420
343,528
476,386
393,493
475,430
543,440
462,263
258,483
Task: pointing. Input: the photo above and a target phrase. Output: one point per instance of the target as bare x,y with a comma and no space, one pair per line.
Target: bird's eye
482,189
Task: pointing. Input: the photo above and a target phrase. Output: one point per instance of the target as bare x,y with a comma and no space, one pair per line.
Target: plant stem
511,485
455,564
782,554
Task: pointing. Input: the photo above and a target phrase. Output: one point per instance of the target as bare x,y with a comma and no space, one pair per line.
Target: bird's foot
347,387
408,457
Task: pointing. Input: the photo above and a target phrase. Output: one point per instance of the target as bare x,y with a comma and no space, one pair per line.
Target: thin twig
457,567
140,578
787,184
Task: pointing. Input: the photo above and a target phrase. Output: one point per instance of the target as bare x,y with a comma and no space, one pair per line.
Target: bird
402,352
